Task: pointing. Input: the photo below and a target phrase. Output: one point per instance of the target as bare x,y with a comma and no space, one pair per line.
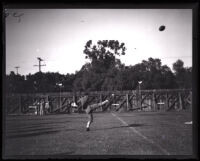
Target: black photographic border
125,4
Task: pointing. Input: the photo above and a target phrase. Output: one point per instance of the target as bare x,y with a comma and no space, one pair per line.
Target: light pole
140,102
60,85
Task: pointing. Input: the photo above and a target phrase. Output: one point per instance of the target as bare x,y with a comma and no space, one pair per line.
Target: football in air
162,28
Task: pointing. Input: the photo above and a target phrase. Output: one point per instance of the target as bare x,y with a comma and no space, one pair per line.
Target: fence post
101,102
154,102
176,101
180,101
139,101
127,102
20,104
191,100
166,102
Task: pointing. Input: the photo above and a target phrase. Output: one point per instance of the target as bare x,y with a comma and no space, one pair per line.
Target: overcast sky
59,35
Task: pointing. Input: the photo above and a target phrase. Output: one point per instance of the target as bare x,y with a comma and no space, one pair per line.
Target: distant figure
72,106
42,107
37,104
46,107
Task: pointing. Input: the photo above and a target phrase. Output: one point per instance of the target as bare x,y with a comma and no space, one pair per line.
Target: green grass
66,135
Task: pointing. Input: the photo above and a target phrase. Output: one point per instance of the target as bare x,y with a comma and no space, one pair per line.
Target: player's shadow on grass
150,114
32,134
35,132
118,127
135,125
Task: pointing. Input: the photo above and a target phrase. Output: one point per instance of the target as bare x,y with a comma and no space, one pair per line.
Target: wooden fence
143,100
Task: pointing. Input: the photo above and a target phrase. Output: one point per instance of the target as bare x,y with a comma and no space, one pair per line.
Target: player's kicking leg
89,111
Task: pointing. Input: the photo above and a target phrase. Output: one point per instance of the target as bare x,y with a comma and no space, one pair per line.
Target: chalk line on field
144,137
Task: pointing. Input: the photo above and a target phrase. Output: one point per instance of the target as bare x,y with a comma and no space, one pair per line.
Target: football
162,28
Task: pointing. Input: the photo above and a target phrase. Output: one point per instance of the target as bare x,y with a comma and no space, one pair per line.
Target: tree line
105,72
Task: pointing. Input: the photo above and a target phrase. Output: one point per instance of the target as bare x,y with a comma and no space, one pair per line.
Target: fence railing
143,100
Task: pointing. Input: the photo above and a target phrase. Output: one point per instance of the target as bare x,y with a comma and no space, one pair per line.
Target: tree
168,79
188,78
152,73
180,74
99,73
14,83
39,82
178,67
103,54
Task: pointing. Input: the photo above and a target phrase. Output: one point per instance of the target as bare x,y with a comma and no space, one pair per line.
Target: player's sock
88,126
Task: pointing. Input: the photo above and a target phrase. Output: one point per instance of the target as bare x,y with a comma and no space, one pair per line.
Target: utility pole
39,59
17,69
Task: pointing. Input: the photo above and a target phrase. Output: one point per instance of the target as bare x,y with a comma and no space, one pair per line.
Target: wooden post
149,102
180,101
175,100
101,102
60,99
131,101
50,105
140,97
74,99
20,104
191,100
153,101
127,102
139,101
166,102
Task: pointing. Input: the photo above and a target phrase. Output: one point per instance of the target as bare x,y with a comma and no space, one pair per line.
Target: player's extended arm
83,100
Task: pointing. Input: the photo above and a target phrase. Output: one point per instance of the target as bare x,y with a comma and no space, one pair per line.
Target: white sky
59,35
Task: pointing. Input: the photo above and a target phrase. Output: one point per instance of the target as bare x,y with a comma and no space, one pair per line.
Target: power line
177,57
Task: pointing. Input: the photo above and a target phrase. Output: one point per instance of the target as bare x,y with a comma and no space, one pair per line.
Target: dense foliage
105,72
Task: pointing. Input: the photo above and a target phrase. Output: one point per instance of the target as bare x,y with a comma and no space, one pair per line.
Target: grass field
134,133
